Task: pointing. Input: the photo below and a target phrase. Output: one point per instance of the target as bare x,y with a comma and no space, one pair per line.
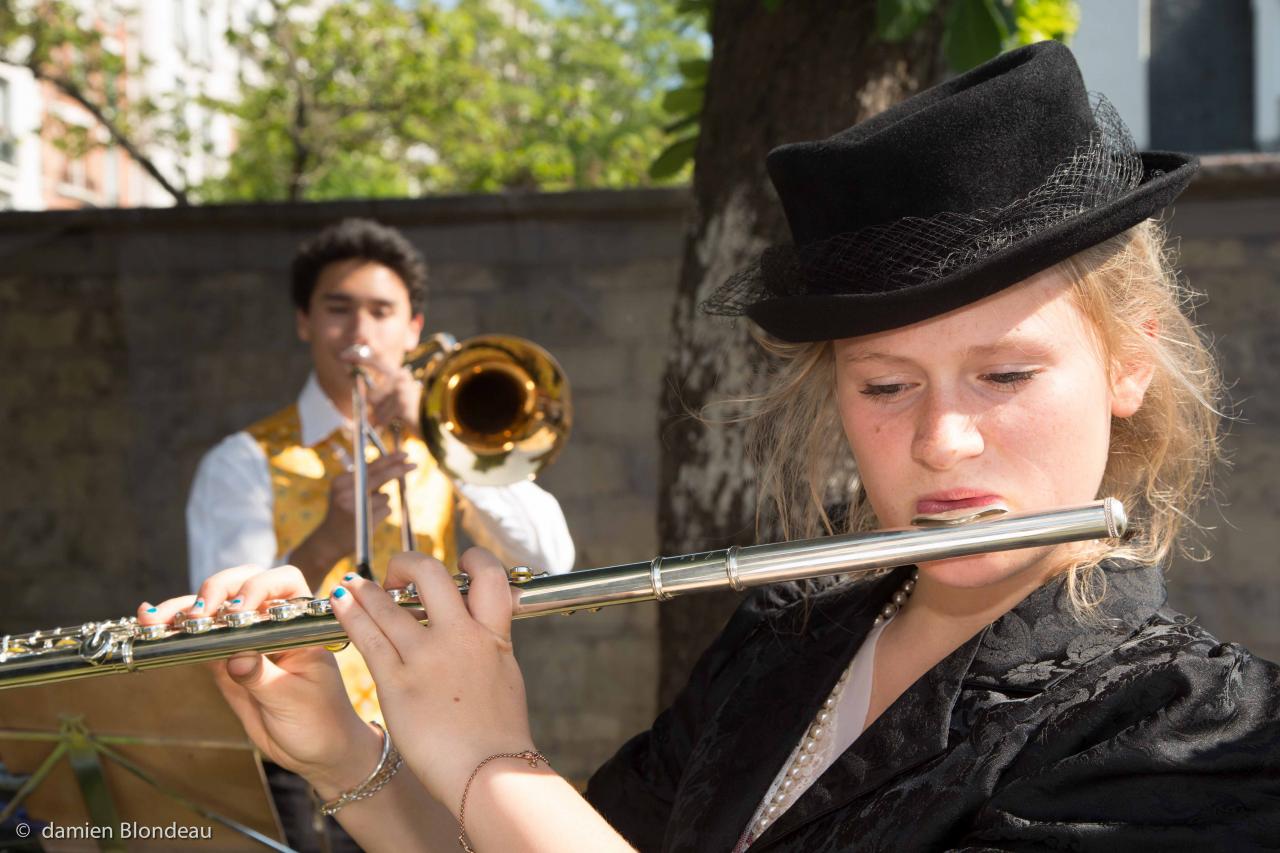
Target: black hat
948,197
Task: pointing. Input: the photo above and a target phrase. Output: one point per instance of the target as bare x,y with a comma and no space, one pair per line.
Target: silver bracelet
388,764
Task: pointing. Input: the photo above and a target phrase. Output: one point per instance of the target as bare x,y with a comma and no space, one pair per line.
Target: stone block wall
133,340
1229,244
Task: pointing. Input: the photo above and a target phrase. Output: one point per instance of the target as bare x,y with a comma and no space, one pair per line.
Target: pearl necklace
900,597
807,755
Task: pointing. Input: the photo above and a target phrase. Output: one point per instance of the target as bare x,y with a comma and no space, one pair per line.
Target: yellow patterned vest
300,479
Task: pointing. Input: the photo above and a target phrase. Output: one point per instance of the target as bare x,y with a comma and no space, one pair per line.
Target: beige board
187,739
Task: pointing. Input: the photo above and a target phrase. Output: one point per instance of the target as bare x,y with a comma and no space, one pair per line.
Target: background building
20,119
1187,75
178,52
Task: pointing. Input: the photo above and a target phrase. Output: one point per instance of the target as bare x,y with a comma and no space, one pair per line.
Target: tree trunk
804,71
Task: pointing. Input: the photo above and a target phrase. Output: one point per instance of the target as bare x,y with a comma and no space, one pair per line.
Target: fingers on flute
398,624
243,669
377,649
436,587
489,596
198,604
163,613
282,582
223,588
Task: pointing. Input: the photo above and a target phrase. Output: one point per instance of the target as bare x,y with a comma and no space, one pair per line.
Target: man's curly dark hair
359,238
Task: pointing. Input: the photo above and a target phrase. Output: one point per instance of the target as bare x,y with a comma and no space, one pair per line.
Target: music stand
132,752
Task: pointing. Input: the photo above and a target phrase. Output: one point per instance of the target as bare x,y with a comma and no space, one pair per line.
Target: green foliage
674,157
379,99
976,30
973,32
329,101
1038,20
382,97
683,104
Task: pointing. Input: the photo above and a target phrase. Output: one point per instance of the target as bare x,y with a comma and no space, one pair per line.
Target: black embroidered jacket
1141,733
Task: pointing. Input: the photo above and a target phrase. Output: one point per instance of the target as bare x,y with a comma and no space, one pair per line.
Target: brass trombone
495,410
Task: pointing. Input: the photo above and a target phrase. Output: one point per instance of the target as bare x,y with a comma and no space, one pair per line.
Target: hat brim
822,317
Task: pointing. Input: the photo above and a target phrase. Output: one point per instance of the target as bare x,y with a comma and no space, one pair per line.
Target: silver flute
122,645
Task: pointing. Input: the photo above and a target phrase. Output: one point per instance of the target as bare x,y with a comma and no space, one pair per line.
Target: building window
1201,75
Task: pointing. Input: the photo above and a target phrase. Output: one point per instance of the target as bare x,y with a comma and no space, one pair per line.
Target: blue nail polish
348,577
199,603
151,610
339,592
236,600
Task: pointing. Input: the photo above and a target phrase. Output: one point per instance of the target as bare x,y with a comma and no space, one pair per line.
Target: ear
1130,380
414,333
302,322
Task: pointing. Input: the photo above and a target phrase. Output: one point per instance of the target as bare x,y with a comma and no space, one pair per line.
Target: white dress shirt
230,513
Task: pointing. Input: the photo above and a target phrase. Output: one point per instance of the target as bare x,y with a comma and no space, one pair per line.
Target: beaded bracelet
530,755
388,764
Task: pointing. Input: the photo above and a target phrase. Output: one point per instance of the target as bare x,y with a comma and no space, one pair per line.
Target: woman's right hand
292,704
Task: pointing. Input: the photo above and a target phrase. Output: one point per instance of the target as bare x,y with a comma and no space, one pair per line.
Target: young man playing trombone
283,490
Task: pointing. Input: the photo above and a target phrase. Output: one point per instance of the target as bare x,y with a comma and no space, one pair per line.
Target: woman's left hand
452,692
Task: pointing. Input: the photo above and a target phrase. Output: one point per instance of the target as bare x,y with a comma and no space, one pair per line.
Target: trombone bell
495,408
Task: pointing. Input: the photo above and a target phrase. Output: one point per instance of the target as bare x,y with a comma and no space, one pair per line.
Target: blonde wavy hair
1160,462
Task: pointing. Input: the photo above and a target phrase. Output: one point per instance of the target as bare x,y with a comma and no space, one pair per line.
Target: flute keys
239,619
400,596
282,611
319,607
197,624
151,632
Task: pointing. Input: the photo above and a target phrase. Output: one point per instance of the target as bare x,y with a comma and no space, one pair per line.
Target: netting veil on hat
915,251
948,197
